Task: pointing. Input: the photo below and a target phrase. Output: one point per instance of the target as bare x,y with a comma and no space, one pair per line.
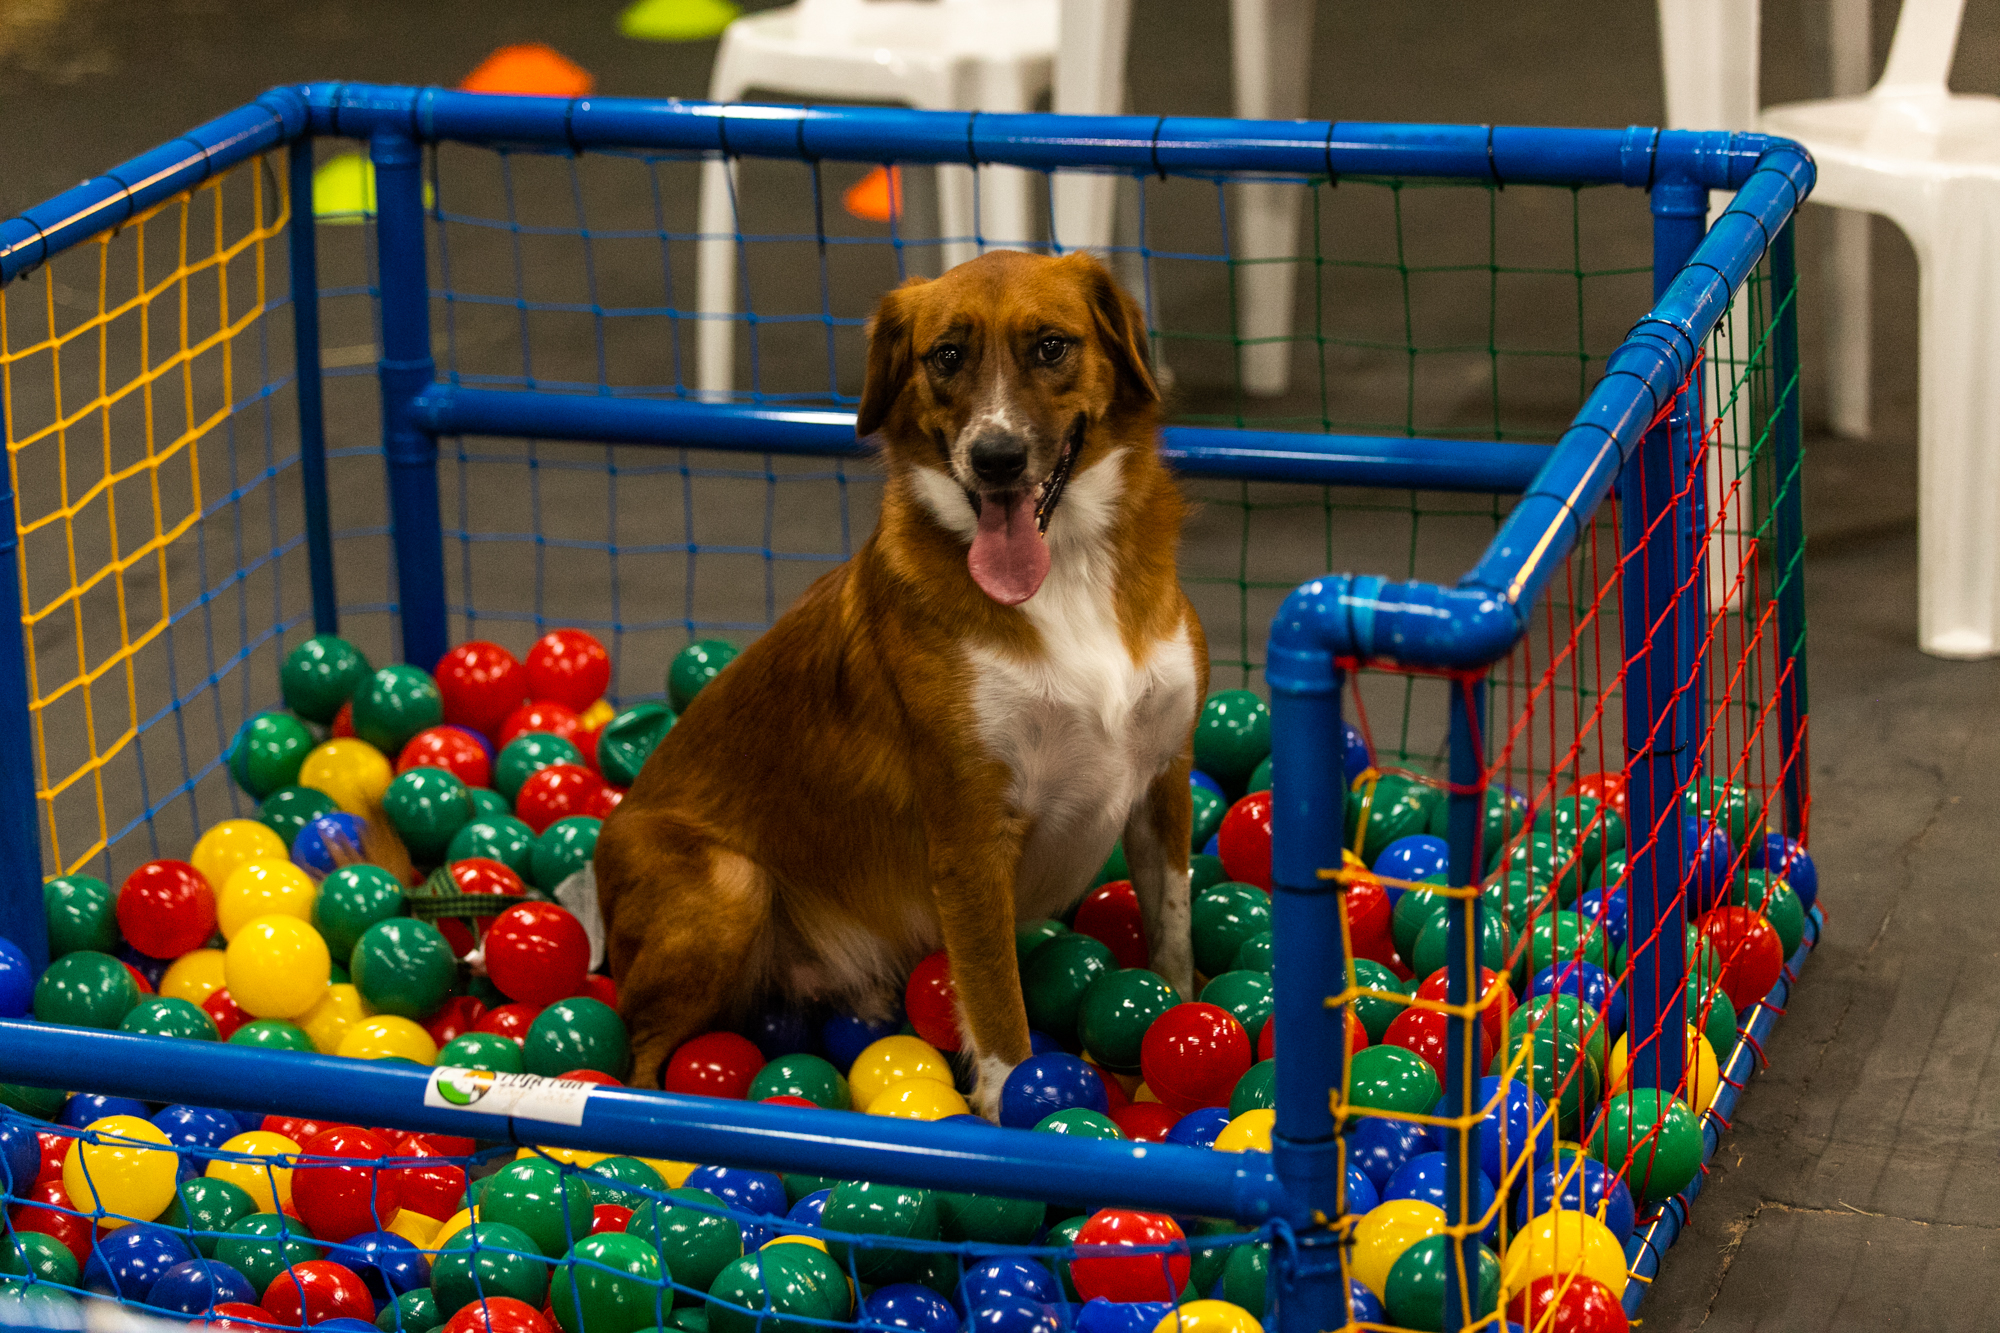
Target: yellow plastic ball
918,1099
1563,1241
1208,1317
353,772
454,1224
1386,1231
232,843
1142,1093
1249,1132
277,967
1704,1073
194,976
576,1157
336,1013
267,1181
268,887
388,1036
414,1227
595,716
813,1241
130,1175
674,1173
891,1060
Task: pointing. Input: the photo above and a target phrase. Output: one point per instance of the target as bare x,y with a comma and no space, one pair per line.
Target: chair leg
1089,81
1272,47
716,258
1845,292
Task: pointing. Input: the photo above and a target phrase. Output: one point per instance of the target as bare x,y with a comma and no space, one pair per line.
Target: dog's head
991,381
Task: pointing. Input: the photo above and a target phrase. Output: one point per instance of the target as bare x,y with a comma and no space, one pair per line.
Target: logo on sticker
464,1087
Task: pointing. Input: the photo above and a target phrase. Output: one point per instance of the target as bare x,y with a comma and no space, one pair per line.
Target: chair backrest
1920,54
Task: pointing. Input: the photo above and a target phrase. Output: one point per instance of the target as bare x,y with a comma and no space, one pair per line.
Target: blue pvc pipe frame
1463,628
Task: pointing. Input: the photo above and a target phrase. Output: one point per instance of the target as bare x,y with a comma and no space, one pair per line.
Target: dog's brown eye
945,359
1050,350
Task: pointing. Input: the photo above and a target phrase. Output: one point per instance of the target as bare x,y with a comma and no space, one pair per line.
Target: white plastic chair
1271,53
986,55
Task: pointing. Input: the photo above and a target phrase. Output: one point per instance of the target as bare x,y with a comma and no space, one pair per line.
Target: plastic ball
1249,1131
161,1016
1651,1139
890,1212
403,966
388,1037
556,791
932,1003
395,703
231,843
1007,1278
537,953
426,807
1111,914
128,1172
715,1064
317,1291
1415,1291
491,1259
1427,1177
166,908
1562,1242
328,1022
909,1306
568,666
511,1021
608,1284
276,966
1044,1084
893,1060
693,667
328,840
197,1286
352,899
456,750
801,1075
17,981
1773,899
194,976
501,838
267,752
1382,1237
1244,840
1568,1303
263,888
346,1196
81,914
1753,957
271,1034
320,675
576,1033
1055,977
526,755
479,683
289,809
1580,1184
1115,1013
1700,1072
250,1161
1193,1055
223,1011
1231,736
1786,857
1391,1080
629,739
85,989
351,772
562,849
918,1099
126,1263
481,1050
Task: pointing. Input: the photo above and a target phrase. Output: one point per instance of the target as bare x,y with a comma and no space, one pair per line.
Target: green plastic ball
1208,810
1257,1089
1032,935
782,1287
1231,737
1205,870
1056,976
894,1212
988,1218
403,966
1560,1073
1770,895
1392,1080
693,667
687,1319
1246,1277
564,848
85,989
268,752
1260,777
1415,1290
1062,1238
204,1208
82,914
1652,1139
352,899
489,1259
611,1283
1433,947
288,810
1114,1012
486,804
1397,807
630,738
169,1016
41,1103
320,675
414,1311
1735,807
624,1181
805,1076
1247,995
1504,813
481,1050
1221,917
528,754
1713,1012
1575,1022
1560,937
501,838
1584,822
1512,900
1256,955
395,703
427,807
272,1034
1374,1012
263,1245
39,1258
1413,912
694,1234
1114,868
798,1185
577,1033
1079,1123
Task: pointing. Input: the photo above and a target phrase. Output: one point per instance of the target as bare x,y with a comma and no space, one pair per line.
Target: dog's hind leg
1156,852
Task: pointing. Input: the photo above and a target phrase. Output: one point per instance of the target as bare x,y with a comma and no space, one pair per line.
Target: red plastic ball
452,749
432,1185
1145,1122
715,1064
1245,839
498,1314
541,715
597,1076
1493,1018
481,683
1192,1056
139,979
236,1317
537,953
509,1020
597,986
1753,957
460,1014
55,1148
296,1128
786,1099
315,1291
586,740
1609,789
570,667
1267,1040
608,1217
1156,1276
341,1201
222,1009
932,1002
166,908
1115,1096
1110,915
73,1233
1369,915
1428,1032
556,792
1565,1303
604,802
342,726
482,875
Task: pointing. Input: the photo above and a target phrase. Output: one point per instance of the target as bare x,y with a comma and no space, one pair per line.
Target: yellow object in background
918,1099
194,976
891,1060
268,1182
1563,1241
595,716
232,843
130,1176
677,20
269,886
351,771
388,1036
1387,1230
1704,1073
277,967
1249,1132
337,1012
1208,1317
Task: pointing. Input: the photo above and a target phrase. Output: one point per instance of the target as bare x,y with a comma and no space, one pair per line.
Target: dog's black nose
999,460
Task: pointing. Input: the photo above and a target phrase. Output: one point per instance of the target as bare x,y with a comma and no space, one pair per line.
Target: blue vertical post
1655,532
1464,815
1309,797
406,369
1788,459
312,416
22,918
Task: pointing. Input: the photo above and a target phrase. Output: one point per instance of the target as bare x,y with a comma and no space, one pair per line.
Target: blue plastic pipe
22,917
1465,811
1788,458
302,236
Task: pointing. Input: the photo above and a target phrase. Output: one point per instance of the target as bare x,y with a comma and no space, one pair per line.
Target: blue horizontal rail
1193,451
980,1159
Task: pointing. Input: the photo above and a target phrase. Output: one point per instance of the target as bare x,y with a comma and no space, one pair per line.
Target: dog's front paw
1174,960
992,1077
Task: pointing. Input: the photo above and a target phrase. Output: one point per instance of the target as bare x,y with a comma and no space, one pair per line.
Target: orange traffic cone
530,68
876,197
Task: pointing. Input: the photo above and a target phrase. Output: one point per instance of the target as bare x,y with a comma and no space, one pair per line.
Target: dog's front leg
1156,853
974,858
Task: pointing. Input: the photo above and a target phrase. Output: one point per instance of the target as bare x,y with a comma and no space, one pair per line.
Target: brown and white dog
946,734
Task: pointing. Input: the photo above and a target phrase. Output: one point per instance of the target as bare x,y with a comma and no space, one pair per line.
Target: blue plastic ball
1213,847
1197,1129
1427,1177
805,1213
86,1108
199,1285
17,981
1098,1315
127,1262
147,966
1358,759
907,1305
1581,1191
1606,908
1015,1317
1197,778
1362,1307
1380,1147
196,1127
757,1192
1523,1110
1413,858
1588,982
310,849
1041,1043
782,1032
250,1120
20,1158
1002,1279
344,1325
1709,855
385,1261
1362,1196
844,1036
1041,1085
1786,857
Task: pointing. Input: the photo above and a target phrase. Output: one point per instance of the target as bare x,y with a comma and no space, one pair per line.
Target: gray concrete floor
1852,1192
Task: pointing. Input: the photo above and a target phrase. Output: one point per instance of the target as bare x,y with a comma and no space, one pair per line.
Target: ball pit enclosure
1521,877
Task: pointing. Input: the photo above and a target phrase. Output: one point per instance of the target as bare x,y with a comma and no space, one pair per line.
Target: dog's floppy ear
888,358
1121,328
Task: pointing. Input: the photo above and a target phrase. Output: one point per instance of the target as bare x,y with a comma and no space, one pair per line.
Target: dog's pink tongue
1008,559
